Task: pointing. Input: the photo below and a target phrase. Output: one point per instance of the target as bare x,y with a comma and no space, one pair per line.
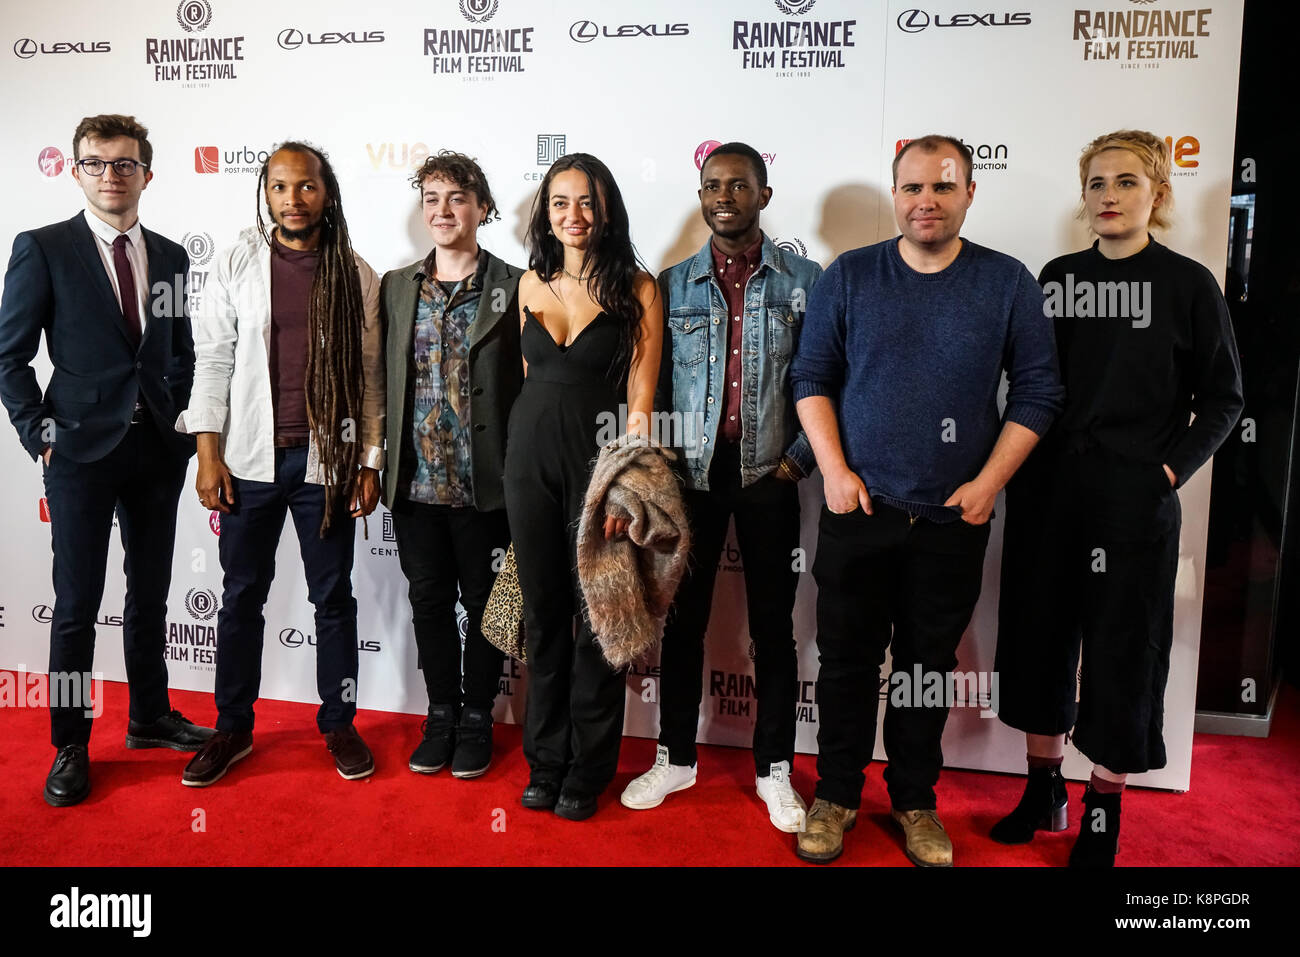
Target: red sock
1102,786
1036,762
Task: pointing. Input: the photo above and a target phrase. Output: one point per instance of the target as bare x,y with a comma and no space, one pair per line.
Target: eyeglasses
123,167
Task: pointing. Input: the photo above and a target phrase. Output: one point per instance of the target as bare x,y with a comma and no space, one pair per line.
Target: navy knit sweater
913,362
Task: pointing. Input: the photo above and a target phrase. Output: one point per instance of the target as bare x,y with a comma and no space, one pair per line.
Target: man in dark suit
109,296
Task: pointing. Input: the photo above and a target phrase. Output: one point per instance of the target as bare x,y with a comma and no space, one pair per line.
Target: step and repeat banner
826,90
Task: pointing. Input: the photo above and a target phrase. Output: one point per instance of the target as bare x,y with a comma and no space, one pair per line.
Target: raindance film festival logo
50,161
1140,38
793,245
201,603
26,48
478,53
190,60
199,247
550,147
793,47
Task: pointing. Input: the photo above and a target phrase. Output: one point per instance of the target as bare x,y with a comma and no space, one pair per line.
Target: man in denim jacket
734,312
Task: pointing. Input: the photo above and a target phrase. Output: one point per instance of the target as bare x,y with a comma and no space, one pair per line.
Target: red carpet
285,804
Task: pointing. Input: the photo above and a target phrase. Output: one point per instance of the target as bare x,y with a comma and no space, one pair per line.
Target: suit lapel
84,245
486,317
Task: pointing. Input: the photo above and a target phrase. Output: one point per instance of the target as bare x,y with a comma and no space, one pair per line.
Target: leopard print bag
503,618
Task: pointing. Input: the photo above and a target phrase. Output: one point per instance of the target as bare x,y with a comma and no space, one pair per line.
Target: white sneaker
785,808
650,789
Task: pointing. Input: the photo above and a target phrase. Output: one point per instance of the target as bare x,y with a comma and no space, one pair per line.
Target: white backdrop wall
644,85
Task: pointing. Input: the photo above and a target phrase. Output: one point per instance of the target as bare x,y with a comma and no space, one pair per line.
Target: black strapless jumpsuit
573,720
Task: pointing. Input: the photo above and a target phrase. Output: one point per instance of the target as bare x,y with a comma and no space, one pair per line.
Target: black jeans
767,530
140,479
876,573
445,551
1089,557
250,535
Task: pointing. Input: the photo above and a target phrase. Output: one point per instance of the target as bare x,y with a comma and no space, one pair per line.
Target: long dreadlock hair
334,379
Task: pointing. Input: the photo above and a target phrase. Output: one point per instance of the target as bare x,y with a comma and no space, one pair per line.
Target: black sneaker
473,743
434,750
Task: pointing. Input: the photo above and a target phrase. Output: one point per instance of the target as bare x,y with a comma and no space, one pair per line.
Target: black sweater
1139,357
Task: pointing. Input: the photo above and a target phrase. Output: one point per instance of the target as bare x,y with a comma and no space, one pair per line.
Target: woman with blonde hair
1092,519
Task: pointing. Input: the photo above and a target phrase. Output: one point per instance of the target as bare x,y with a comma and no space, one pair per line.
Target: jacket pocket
690,337
782,331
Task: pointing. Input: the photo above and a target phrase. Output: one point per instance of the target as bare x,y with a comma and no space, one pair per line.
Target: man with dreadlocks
288,412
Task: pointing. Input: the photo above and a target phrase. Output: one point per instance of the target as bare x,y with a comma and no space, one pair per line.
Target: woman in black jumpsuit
591,337
1090,548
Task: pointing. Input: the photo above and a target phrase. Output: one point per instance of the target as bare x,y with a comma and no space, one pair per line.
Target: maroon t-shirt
733,272
291,277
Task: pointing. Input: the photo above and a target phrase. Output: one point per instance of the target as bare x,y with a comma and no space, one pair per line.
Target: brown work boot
822,839
927,841
351,756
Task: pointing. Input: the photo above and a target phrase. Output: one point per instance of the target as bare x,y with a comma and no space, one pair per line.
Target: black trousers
767,530
446,552
1089,557
250,535
141,480
877,573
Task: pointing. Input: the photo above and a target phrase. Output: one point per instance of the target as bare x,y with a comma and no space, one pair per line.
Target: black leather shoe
216,756
68,782
540,795
1042,808
352,759
575,807
173,730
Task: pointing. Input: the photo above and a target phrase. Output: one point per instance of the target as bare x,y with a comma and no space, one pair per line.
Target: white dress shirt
135,254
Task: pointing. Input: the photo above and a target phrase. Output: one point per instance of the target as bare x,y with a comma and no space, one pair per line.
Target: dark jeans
1089,557
140,479
767,530
875,573
445,551
250,535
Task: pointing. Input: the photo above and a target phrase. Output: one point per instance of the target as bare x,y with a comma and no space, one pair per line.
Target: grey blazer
495,372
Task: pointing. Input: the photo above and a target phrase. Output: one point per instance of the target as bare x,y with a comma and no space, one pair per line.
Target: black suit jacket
56,283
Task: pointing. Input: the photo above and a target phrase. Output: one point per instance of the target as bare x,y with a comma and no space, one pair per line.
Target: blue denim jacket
695,311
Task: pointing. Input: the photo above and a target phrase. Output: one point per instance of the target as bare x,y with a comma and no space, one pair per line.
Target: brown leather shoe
927,841
216,756
351,756
822,839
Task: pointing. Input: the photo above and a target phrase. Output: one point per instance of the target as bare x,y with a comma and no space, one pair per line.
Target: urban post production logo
50,161
916,20
291,38
1140,38
478,53
985,157
26,48
242,160
194,61
584,31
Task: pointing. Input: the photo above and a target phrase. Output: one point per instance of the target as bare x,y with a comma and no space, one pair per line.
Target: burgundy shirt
733,272
291,277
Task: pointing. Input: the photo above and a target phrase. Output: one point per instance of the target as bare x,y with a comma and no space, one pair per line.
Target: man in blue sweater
896,383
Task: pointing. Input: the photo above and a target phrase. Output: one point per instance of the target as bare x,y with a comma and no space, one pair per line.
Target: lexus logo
291,638
913,21
25,48
583,31
43,613
290,39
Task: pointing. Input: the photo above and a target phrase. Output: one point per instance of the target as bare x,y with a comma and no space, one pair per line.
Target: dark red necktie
126,287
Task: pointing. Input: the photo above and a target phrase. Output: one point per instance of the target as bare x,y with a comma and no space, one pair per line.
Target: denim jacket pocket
690,337
782,331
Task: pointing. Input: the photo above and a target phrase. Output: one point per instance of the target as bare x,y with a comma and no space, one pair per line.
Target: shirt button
737,285
735,352
735,385
736,319
733,418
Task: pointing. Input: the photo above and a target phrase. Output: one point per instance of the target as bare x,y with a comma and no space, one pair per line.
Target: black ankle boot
1098,839
1041,808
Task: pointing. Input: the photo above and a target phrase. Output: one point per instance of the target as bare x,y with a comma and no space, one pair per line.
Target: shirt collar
428,269
108,233
751,258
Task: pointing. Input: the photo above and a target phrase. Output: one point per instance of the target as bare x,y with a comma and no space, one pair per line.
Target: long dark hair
335,314
611,262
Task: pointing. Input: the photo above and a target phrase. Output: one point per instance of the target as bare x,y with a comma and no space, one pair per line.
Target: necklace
572,276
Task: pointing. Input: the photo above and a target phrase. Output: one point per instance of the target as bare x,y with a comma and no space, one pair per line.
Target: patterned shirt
440,388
